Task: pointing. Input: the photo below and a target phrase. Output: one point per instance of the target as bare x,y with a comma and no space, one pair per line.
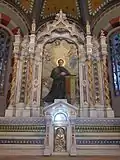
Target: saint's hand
63,73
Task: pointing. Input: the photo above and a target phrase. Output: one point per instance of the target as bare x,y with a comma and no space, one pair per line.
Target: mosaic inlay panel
97,129
25,5
22,128
96,122
23,121
98,142
96,5
22,141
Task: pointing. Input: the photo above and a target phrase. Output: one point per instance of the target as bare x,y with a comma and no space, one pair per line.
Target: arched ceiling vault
108,21
79,11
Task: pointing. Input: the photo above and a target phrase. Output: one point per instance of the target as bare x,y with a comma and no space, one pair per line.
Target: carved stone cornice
61,25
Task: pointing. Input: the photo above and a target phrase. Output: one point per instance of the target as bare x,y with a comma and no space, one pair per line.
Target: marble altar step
59,158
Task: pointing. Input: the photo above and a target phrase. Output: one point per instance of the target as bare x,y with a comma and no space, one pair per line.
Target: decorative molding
22,4
22,141
7,21
61,25
99,122
97,129
13,13
22,121
23,128
98,24
94,10
97,142
42,121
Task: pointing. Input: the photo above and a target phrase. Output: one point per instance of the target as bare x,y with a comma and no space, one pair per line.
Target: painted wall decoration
59,49
53,6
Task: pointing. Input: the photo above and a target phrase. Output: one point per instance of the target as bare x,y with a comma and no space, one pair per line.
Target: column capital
32,44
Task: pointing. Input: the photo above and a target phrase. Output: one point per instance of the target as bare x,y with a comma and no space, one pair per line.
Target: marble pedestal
47,151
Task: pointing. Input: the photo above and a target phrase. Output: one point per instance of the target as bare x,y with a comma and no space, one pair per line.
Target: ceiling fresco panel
25,5
108,21
70,7
96,5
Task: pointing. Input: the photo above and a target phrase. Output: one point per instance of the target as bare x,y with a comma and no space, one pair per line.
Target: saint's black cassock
58,86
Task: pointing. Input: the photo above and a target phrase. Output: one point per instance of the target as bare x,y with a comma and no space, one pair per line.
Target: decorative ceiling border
113,23
93,13
107,27
23,8
8,22
14,12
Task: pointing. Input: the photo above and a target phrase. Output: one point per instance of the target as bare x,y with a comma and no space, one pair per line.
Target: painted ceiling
69,7
25,5
95,6
79,10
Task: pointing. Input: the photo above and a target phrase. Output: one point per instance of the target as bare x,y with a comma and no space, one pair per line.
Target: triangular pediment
61,24
60,104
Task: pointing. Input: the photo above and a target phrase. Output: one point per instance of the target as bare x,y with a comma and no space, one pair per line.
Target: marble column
29,108
48,150
89,51
36,88
109,112
22,77
14,84
73,151
98,87
83,111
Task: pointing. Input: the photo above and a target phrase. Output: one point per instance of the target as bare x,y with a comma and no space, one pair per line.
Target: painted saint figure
58,89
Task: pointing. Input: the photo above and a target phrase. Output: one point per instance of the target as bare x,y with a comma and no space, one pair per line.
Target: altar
76,118
60,139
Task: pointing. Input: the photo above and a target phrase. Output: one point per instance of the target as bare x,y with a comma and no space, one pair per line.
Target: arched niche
59,48
59,31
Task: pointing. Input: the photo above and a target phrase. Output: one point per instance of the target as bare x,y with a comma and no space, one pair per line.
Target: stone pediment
61,25
60,105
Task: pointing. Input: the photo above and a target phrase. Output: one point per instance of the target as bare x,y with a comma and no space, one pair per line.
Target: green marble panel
22,128
97,129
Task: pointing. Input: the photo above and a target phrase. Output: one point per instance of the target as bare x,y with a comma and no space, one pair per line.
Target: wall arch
59,29
13,18
106,20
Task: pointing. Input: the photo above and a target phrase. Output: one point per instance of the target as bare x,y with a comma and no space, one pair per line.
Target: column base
97,111
20,110
20,105
110,112
26,113
84,111
35,112
93,112
100,111
10,111
73,151
47,151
